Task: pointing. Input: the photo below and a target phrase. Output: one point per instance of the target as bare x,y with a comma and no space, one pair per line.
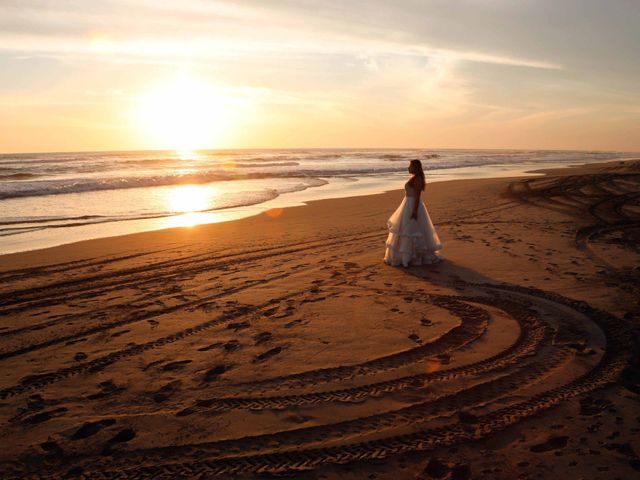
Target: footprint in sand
268,354
44,416
262,337
231,346
80,356
271,311
91,428
152,364
185,412
309,300
121,332
123,436
436,469
173,366
106,388
238,326
215,372
553,443
35,402
590,406
211,347
52,448
287,313
165,391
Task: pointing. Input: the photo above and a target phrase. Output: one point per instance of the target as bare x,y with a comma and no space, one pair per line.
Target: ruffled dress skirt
411,241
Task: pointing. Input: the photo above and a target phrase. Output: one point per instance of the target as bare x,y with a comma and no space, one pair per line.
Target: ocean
49,199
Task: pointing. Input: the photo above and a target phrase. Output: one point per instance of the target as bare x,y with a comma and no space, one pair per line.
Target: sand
281,344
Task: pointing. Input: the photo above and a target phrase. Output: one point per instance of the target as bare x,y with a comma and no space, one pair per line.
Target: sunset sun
182,115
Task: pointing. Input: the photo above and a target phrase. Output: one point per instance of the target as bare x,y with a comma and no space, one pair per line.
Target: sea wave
18,176
405,157
81,185
264,165
24,224
32,175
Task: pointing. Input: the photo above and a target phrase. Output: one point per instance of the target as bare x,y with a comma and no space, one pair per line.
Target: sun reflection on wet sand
274,212
190,219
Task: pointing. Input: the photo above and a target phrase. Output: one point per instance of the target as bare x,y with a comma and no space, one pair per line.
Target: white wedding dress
411,241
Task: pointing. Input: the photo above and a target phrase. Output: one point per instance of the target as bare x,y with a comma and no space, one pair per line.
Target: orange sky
125,74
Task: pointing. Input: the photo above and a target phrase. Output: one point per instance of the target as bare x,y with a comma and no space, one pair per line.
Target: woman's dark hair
417,170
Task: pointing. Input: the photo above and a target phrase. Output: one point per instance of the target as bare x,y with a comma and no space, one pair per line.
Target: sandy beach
282,344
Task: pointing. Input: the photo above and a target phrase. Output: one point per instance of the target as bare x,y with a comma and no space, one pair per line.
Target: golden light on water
183,115
190,155
189,198
230,165
190,201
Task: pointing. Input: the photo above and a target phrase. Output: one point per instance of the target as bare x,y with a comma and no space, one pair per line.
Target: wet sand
281,344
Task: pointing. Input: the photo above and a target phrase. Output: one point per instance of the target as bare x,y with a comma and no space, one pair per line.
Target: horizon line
595,150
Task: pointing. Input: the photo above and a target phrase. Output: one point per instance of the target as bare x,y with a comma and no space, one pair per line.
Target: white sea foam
58,173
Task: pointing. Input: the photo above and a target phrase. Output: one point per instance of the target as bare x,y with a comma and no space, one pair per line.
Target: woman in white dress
412,238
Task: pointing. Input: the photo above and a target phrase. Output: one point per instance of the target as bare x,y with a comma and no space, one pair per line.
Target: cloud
119,30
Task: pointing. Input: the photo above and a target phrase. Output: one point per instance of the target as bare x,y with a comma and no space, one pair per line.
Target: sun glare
189,201
183,115
189,198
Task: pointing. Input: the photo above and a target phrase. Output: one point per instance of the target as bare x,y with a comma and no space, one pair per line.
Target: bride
412,238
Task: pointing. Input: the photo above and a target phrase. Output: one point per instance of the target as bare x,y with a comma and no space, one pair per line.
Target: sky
184,74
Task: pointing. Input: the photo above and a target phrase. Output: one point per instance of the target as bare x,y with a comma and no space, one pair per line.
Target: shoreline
290,200
195,232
